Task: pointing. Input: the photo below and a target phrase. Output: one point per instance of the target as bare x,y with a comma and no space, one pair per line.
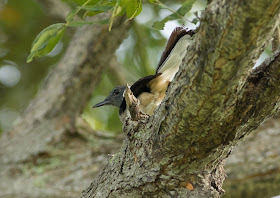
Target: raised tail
174,53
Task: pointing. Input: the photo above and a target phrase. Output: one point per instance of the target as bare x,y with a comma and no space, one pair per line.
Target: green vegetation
138,55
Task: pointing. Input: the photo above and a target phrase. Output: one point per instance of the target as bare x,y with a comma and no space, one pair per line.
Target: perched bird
150,90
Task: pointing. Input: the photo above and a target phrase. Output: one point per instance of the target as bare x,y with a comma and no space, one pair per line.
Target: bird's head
114,98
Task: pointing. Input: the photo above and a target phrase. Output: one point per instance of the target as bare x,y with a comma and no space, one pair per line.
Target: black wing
139,87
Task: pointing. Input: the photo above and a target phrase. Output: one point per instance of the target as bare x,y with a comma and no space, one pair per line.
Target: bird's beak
105,102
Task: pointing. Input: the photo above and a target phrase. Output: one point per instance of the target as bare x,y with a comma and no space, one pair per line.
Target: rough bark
216,101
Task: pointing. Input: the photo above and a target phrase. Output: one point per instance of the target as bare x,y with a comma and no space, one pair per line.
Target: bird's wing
141,85
174,52
153,87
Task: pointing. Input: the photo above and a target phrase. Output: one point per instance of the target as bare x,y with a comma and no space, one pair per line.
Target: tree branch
253,168
259,97
276,39
206,92
132,105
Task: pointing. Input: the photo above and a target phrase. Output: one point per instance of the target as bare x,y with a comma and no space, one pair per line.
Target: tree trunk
216,101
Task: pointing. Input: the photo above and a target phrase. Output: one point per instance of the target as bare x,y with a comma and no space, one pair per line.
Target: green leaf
132,7
71,15
81,23
116,12
81,2
93,8
159,25
195,20
186,7
180,13
46,40
153,1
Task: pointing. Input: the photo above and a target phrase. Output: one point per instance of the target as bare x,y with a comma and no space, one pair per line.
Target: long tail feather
174,52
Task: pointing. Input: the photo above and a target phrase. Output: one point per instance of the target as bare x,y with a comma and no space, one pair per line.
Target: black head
114,98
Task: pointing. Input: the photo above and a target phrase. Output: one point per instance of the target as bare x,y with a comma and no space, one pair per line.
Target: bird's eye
116,92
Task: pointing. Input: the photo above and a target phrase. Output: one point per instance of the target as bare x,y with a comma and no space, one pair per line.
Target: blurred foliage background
21,21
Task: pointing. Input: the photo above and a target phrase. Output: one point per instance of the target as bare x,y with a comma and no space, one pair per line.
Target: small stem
171,10
78,10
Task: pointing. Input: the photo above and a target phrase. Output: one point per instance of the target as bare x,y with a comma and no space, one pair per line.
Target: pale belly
150,101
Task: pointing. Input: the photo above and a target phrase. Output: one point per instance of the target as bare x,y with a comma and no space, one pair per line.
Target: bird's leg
132,104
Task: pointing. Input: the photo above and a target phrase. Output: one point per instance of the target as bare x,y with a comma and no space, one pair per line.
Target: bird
150,90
